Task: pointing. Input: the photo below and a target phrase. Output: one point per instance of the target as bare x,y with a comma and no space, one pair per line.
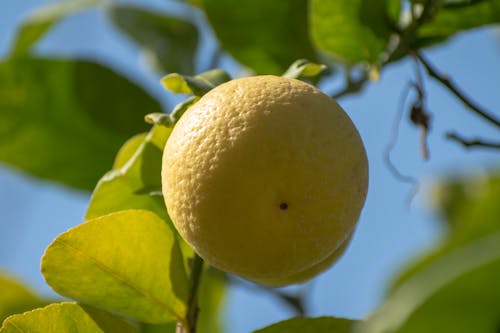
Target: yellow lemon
265,177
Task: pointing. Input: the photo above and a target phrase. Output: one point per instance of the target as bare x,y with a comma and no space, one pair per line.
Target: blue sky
390,233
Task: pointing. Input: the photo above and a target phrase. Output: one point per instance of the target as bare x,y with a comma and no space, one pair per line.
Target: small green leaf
198,85
137,183
127,262
68,318
44,18
266,36
453,19
64,120
15,297
303,68
352,30
169,42
128,150
310,325
458,292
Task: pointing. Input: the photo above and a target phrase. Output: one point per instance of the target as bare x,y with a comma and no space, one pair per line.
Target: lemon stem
192,313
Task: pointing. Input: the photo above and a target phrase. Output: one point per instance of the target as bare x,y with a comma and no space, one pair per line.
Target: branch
189,326
296,302
474,143
432,71
352,86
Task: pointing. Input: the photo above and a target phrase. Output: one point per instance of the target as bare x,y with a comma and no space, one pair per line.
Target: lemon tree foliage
66,317
264,35
65,121
127,262
169,43
134,182
15,297
43,19
60,124
455,288
310,325
352,30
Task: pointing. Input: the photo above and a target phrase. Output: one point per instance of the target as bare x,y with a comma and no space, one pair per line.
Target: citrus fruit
265,177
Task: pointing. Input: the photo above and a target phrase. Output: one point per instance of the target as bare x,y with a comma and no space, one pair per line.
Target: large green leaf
266,36
15,297
65,120
310,325
352,30
68,318
169,42
457,293
41,20
137,183
128,262
453,19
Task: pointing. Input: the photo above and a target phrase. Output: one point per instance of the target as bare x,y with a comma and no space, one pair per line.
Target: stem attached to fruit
189,325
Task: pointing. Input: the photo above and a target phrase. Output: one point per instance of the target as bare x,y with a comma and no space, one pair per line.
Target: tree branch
189,326
433,72
472,143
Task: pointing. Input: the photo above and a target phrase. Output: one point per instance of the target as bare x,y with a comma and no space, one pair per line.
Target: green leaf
137,183
212,295
198,85
68,318
352,30
303,68
310,325
128,150
170,43
65,120
127,262
458,292
40,21
15,297
453,19
266,36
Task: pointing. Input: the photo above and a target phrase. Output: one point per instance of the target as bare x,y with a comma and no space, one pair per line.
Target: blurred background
398,222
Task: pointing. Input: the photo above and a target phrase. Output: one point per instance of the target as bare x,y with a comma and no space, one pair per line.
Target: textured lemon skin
265,177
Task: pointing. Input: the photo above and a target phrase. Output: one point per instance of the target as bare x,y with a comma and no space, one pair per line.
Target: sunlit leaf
310,325
127,262
15,297
41,20
198,85
453,19
303,68
68,318
128,150
352,30
266,36
137,183
170,43
64,120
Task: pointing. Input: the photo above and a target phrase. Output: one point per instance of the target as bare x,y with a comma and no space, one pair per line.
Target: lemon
265,177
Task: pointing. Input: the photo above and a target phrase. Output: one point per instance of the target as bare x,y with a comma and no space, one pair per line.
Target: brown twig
472,143
445,81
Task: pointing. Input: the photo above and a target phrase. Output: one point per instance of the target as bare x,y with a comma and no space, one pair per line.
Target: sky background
390,232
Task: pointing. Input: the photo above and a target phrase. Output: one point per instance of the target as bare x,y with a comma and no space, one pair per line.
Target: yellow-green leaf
15,297
66,318
127,262
310,325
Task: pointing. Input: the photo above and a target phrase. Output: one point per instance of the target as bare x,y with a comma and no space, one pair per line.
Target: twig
433,72
352,86
189,326
295,302
472,143
392,143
